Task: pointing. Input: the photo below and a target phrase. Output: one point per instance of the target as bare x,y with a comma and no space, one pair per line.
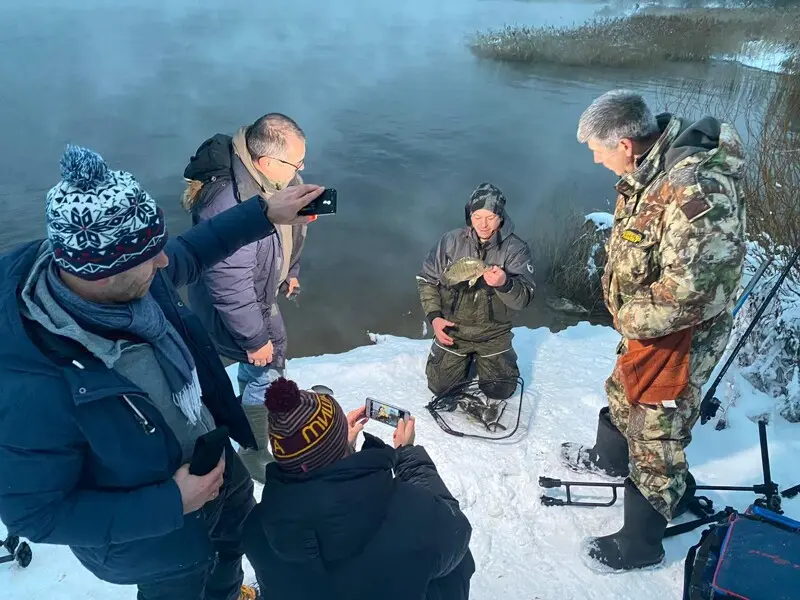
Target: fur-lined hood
212,160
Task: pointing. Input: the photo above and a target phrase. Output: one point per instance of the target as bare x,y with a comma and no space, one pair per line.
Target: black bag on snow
750,556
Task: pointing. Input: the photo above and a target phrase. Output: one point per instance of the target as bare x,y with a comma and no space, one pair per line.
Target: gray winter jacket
481,313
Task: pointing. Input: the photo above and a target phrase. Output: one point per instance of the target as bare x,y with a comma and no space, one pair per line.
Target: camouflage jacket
677,244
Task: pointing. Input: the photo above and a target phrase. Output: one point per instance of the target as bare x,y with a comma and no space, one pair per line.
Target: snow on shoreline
601,220
762,55
523,549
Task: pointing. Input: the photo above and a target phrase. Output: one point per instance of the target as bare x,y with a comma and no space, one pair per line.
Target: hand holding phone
197,490
404,434
386,413
284,206
356,419
208,450
324,204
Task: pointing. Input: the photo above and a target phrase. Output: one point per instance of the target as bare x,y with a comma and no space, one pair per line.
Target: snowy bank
603,223
601,220
523,550
762,55
770,359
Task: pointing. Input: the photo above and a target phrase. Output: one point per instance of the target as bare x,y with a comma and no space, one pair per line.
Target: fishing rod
710,403
722,422
753,281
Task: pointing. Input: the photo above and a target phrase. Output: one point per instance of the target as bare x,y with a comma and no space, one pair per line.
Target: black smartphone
324,204
208,451
386,413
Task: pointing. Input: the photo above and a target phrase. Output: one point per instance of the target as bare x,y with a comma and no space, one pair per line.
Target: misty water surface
400,118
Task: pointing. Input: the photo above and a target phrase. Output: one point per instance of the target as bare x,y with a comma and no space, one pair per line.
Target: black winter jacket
353,531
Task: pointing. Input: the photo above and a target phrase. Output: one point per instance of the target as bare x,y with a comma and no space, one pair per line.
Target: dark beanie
486,196
307,430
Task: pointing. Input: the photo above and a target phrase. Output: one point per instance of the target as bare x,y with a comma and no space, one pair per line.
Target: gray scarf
144,319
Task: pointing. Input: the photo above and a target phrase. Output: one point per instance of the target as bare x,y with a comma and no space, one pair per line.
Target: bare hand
439,325
197,490
293,284
495,277
261,357
283,206
404,434
356,419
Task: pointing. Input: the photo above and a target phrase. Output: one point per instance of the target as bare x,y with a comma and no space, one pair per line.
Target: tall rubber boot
609,455
639,543
688,497
256,460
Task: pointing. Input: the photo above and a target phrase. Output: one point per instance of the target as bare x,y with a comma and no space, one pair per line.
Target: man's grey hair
268,135
617,115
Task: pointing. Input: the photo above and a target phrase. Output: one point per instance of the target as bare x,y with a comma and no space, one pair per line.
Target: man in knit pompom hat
107,380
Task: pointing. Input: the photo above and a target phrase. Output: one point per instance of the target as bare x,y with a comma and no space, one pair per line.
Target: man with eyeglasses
237,299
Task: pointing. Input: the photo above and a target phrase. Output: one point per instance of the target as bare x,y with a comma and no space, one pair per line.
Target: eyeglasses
296,167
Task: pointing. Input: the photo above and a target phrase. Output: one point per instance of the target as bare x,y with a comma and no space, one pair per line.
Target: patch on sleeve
632,236
695,208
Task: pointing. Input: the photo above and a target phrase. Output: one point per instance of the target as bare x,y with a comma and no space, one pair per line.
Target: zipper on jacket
146,425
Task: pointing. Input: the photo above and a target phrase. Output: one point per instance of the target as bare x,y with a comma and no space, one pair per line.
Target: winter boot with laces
638,544
608,456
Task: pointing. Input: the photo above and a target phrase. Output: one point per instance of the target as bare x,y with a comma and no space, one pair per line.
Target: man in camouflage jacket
674,264
472,324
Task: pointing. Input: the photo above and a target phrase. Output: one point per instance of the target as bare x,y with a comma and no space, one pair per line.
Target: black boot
609,454
688,497
638,543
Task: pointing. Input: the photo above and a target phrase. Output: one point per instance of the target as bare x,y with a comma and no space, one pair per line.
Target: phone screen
385,413
324,204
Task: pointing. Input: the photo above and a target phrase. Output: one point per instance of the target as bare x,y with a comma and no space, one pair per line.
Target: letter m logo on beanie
307,430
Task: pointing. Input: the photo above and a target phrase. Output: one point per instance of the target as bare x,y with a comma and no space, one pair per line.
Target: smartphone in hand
324,204
208,451
386,413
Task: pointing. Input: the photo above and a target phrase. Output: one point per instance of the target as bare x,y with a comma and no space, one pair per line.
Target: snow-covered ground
523,550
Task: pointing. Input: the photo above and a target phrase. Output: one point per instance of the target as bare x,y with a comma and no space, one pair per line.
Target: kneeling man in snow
674,265
107,380
471,320
336,523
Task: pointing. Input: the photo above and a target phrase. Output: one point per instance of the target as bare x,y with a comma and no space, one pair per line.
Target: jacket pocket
499,312
152,559
633,246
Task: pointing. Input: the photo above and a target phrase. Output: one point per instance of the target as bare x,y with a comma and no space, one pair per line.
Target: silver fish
464,269
486,412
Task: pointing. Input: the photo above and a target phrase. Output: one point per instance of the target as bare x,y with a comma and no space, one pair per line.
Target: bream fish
465,269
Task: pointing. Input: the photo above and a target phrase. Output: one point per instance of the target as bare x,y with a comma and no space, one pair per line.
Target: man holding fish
469,284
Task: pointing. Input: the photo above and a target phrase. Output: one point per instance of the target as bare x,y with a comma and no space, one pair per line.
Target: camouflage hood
679,140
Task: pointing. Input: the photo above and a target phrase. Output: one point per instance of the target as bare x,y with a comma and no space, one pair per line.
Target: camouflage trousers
490,360
657,440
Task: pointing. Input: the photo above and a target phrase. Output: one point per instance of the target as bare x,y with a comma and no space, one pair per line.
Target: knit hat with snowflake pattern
100,222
